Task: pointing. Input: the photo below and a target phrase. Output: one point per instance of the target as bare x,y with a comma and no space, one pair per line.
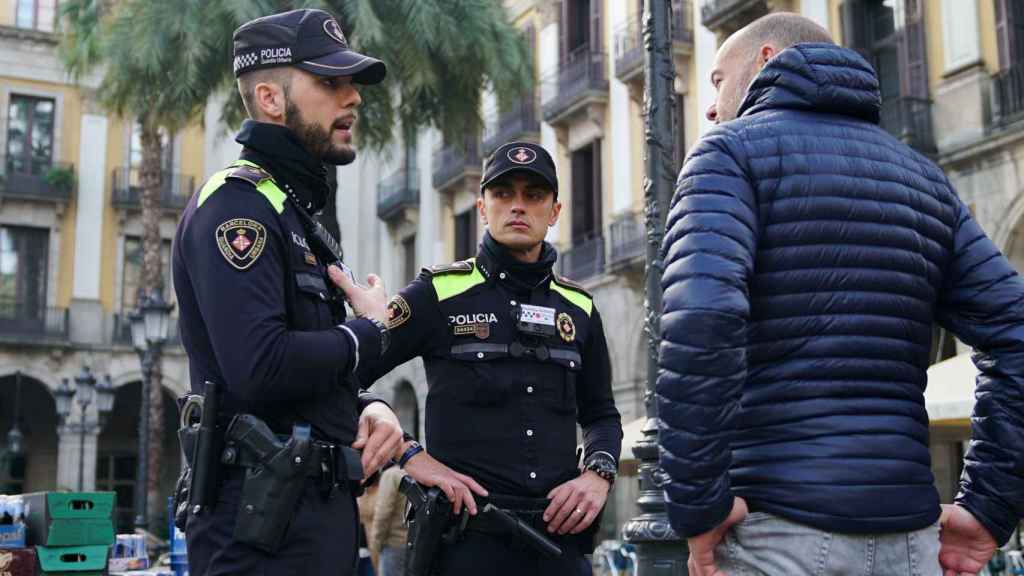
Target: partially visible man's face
322,112
735,67
518,211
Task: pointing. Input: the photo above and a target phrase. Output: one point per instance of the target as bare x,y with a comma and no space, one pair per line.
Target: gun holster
429,517
273,486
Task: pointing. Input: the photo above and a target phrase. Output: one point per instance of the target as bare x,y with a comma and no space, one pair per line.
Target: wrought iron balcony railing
682,22
175,189
36,179
397,192
629,50
910,120
455,161
626,239
584,259
584,76
519,122
23,322
1008,95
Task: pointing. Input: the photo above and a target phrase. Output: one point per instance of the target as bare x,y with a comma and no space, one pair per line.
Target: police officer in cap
258,313
515,357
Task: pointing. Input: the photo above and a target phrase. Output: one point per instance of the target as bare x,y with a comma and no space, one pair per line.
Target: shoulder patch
570,284
460,267
398,312
241,241
251,174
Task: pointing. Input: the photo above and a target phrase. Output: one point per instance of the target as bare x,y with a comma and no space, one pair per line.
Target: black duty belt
516,349
529,510
330,463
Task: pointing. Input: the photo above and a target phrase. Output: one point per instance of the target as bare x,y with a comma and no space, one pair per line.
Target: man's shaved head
744,53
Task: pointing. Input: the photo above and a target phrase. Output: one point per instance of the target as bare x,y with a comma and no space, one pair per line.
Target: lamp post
87,389
149,332
14,436
659,550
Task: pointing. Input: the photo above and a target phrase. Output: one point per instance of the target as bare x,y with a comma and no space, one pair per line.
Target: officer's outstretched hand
379,435
369,302
575,504
459,488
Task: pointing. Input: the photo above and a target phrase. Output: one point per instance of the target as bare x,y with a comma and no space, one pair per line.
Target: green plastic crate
72,560
70,518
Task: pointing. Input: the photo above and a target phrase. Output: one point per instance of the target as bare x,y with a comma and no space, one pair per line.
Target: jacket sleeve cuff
366,398
997,518
366,343
690,521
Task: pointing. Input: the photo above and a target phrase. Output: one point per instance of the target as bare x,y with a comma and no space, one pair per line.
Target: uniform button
502,275
533,474
529,432
529,389
572,364
479,354
512,302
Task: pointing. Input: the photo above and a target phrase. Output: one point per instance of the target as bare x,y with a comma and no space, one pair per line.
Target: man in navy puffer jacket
807,255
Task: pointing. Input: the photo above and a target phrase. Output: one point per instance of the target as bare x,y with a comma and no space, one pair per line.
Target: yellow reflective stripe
577,298
212,185
273,194
453,284
268,187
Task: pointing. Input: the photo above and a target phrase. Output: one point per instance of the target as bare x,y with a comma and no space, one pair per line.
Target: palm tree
162,61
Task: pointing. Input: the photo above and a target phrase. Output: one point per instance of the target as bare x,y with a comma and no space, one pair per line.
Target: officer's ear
556,209
271,99
480,208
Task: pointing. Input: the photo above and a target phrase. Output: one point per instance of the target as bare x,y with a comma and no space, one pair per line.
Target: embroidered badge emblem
566,328
332,29
398,312
522,155
241,241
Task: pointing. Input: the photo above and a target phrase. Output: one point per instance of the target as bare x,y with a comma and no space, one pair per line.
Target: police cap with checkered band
308,39
520,157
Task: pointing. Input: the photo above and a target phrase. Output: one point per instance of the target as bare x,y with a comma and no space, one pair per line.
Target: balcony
727,16
398,192
629,51
38,179
1008,95
581,81
519,122
910,120
457,164
583,260
21,323
626,239
175,190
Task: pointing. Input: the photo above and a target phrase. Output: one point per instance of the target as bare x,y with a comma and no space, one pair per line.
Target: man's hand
380,434
966,544
702,546
575,504
370,302
459,488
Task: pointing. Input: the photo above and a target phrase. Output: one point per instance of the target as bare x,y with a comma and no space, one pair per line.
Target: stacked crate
72,531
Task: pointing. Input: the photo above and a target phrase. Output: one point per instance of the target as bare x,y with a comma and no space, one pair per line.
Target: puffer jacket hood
819,78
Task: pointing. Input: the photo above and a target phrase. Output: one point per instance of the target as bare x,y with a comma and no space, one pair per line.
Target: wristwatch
602,464
385,334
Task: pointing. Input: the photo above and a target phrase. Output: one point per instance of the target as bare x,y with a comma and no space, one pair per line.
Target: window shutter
563,32
913,51
855,30
595,25
596,197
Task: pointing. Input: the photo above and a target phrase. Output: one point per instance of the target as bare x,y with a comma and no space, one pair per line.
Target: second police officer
258,320
515,357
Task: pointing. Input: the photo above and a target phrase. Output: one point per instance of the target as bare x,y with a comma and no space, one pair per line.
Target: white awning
950,392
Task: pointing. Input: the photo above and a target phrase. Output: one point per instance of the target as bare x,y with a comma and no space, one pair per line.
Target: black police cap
519,157
307,39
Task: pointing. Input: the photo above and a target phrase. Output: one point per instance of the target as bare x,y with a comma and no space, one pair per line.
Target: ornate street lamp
659,550
150,326
86,391
15,438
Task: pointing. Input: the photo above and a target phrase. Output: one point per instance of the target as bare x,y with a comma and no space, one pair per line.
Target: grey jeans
765,544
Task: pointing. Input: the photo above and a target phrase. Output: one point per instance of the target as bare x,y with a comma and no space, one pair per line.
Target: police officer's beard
316,139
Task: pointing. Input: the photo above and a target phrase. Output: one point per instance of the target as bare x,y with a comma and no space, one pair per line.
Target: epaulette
563,281
251,174
459,267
